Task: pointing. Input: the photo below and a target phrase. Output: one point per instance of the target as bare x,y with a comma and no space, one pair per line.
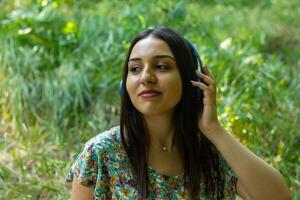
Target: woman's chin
151,112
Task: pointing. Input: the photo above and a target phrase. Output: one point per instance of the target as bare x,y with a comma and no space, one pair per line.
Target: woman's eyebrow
134,59
164,56
156,57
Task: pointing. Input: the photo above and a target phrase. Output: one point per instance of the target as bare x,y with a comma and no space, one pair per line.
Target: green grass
61,62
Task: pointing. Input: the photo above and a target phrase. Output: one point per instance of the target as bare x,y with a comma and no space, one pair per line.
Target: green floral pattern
104,166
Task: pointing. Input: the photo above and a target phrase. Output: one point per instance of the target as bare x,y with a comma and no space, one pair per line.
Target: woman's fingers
206,71
209,92
207,79
200,85
207,83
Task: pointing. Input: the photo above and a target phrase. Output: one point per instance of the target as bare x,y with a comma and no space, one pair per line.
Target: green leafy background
61,62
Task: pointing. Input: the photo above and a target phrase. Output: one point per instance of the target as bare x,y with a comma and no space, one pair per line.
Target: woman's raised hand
208,120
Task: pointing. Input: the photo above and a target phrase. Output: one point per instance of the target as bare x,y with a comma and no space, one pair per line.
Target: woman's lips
149,94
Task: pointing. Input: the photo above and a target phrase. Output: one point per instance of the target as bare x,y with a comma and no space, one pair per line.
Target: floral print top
104,166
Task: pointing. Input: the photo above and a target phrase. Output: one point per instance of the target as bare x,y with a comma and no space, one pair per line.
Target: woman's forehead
150,47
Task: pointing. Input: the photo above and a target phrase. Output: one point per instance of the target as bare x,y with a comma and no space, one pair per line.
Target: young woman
169,144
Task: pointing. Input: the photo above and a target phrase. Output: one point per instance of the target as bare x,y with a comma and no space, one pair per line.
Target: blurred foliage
61,61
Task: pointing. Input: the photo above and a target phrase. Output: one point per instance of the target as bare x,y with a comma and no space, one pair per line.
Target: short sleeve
230,180
85,167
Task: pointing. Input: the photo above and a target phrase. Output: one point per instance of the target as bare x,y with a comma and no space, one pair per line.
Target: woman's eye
135,69
162,67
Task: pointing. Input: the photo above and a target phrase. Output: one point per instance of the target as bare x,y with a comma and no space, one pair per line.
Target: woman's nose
148,76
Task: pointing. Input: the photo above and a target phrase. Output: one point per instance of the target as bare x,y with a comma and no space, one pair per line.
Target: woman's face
153,80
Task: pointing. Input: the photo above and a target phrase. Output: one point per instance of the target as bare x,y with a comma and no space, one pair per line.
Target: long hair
200,158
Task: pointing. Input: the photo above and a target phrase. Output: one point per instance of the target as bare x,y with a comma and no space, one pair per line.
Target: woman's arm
256,178
80,192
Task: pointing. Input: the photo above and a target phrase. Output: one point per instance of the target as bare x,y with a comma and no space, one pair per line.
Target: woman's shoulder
93,163
105,140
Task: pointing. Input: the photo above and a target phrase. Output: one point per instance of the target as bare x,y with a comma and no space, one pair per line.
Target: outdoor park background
61,62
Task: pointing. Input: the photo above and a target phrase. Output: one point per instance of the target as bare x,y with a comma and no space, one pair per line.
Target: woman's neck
161,131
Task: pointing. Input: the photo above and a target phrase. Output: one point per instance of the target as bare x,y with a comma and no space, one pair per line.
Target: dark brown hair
200,158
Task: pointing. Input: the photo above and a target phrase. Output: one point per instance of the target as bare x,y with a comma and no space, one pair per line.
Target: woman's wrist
214,132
